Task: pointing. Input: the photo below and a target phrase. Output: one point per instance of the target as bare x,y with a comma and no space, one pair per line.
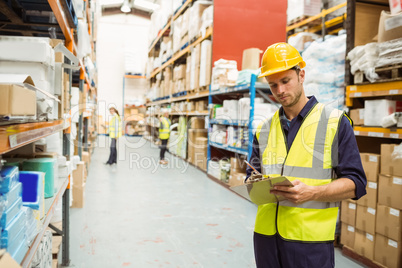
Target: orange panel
240,24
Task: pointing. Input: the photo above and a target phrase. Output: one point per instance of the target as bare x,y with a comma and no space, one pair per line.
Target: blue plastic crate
31,188
20,253
11,245
10,213
10,233
8,177
12,195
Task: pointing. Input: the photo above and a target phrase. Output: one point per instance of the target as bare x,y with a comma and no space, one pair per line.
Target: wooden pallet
302,18
387,74
347,251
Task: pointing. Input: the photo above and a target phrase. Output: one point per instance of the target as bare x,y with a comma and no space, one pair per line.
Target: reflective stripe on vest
112,129
164,132
308,160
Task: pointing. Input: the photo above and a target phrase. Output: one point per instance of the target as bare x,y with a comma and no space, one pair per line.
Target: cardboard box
370,199
206,63
236,179
365,219
251,59
390,27
197,122
200,152
79,174
387,251
348,213
389,165
389,222
367,19
364,244
347,235
7,261
193,134
46,155
188,73
237,165
78,196
390,191
357,116
16,99
201,106
371,166
179,72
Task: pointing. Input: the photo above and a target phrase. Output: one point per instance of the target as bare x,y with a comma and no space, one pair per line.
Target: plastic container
10,213
20,253
16,162
8,177
12,232
13,195
46,165
14,244
31,188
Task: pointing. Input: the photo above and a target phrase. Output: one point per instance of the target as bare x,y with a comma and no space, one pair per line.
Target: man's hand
297,194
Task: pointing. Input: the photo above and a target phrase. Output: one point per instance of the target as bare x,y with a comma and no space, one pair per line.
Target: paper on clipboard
259,192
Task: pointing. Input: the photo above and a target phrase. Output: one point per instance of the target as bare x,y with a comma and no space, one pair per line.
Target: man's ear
302,75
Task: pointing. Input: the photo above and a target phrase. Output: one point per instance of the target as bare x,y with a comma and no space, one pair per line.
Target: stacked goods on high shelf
325,72
134,119
189,106
301,9
42,68
372,226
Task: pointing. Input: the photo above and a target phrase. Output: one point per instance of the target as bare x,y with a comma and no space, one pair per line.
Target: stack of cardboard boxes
372,225
179,78
79,180
196,130
237,171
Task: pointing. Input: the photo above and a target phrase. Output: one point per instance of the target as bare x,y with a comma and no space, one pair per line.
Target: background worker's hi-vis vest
164,130
112,127
308,160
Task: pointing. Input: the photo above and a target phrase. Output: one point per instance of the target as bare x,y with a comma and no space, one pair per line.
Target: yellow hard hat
280,57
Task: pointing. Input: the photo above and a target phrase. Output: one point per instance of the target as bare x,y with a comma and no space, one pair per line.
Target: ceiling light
125,7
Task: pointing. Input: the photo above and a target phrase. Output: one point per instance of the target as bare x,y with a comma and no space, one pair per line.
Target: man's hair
296,68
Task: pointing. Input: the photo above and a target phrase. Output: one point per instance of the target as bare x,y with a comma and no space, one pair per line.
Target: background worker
164,133
315,147
114,133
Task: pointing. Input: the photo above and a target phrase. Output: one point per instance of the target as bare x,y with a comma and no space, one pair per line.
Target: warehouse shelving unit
50,205
253,88
18,135
369,139
319,24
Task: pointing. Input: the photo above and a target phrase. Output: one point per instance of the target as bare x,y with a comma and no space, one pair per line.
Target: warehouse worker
114,134
164,133
313,145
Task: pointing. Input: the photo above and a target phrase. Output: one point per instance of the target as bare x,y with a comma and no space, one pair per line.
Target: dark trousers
113,152
163,149
274,252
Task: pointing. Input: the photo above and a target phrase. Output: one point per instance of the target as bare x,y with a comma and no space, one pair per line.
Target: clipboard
259,192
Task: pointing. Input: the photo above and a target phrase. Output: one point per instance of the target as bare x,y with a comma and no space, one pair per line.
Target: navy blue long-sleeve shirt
349,162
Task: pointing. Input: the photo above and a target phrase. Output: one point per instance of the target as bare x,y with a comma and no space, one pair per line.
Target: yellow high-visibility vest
164,130
113,131
309,160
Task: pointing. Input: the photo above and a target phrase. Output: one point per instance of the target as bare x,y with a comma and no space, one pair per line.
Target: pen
251,167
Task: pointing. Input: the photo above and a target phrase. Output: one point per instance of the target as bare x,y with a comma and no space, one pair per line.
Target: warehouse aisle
144,215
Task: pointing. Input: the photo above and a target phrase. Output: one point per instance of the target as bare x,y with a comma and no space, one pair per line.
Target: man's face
287,86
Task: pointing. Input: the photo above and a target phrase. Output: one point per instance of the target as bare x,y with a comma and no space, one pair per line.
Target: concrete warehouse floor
145,215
